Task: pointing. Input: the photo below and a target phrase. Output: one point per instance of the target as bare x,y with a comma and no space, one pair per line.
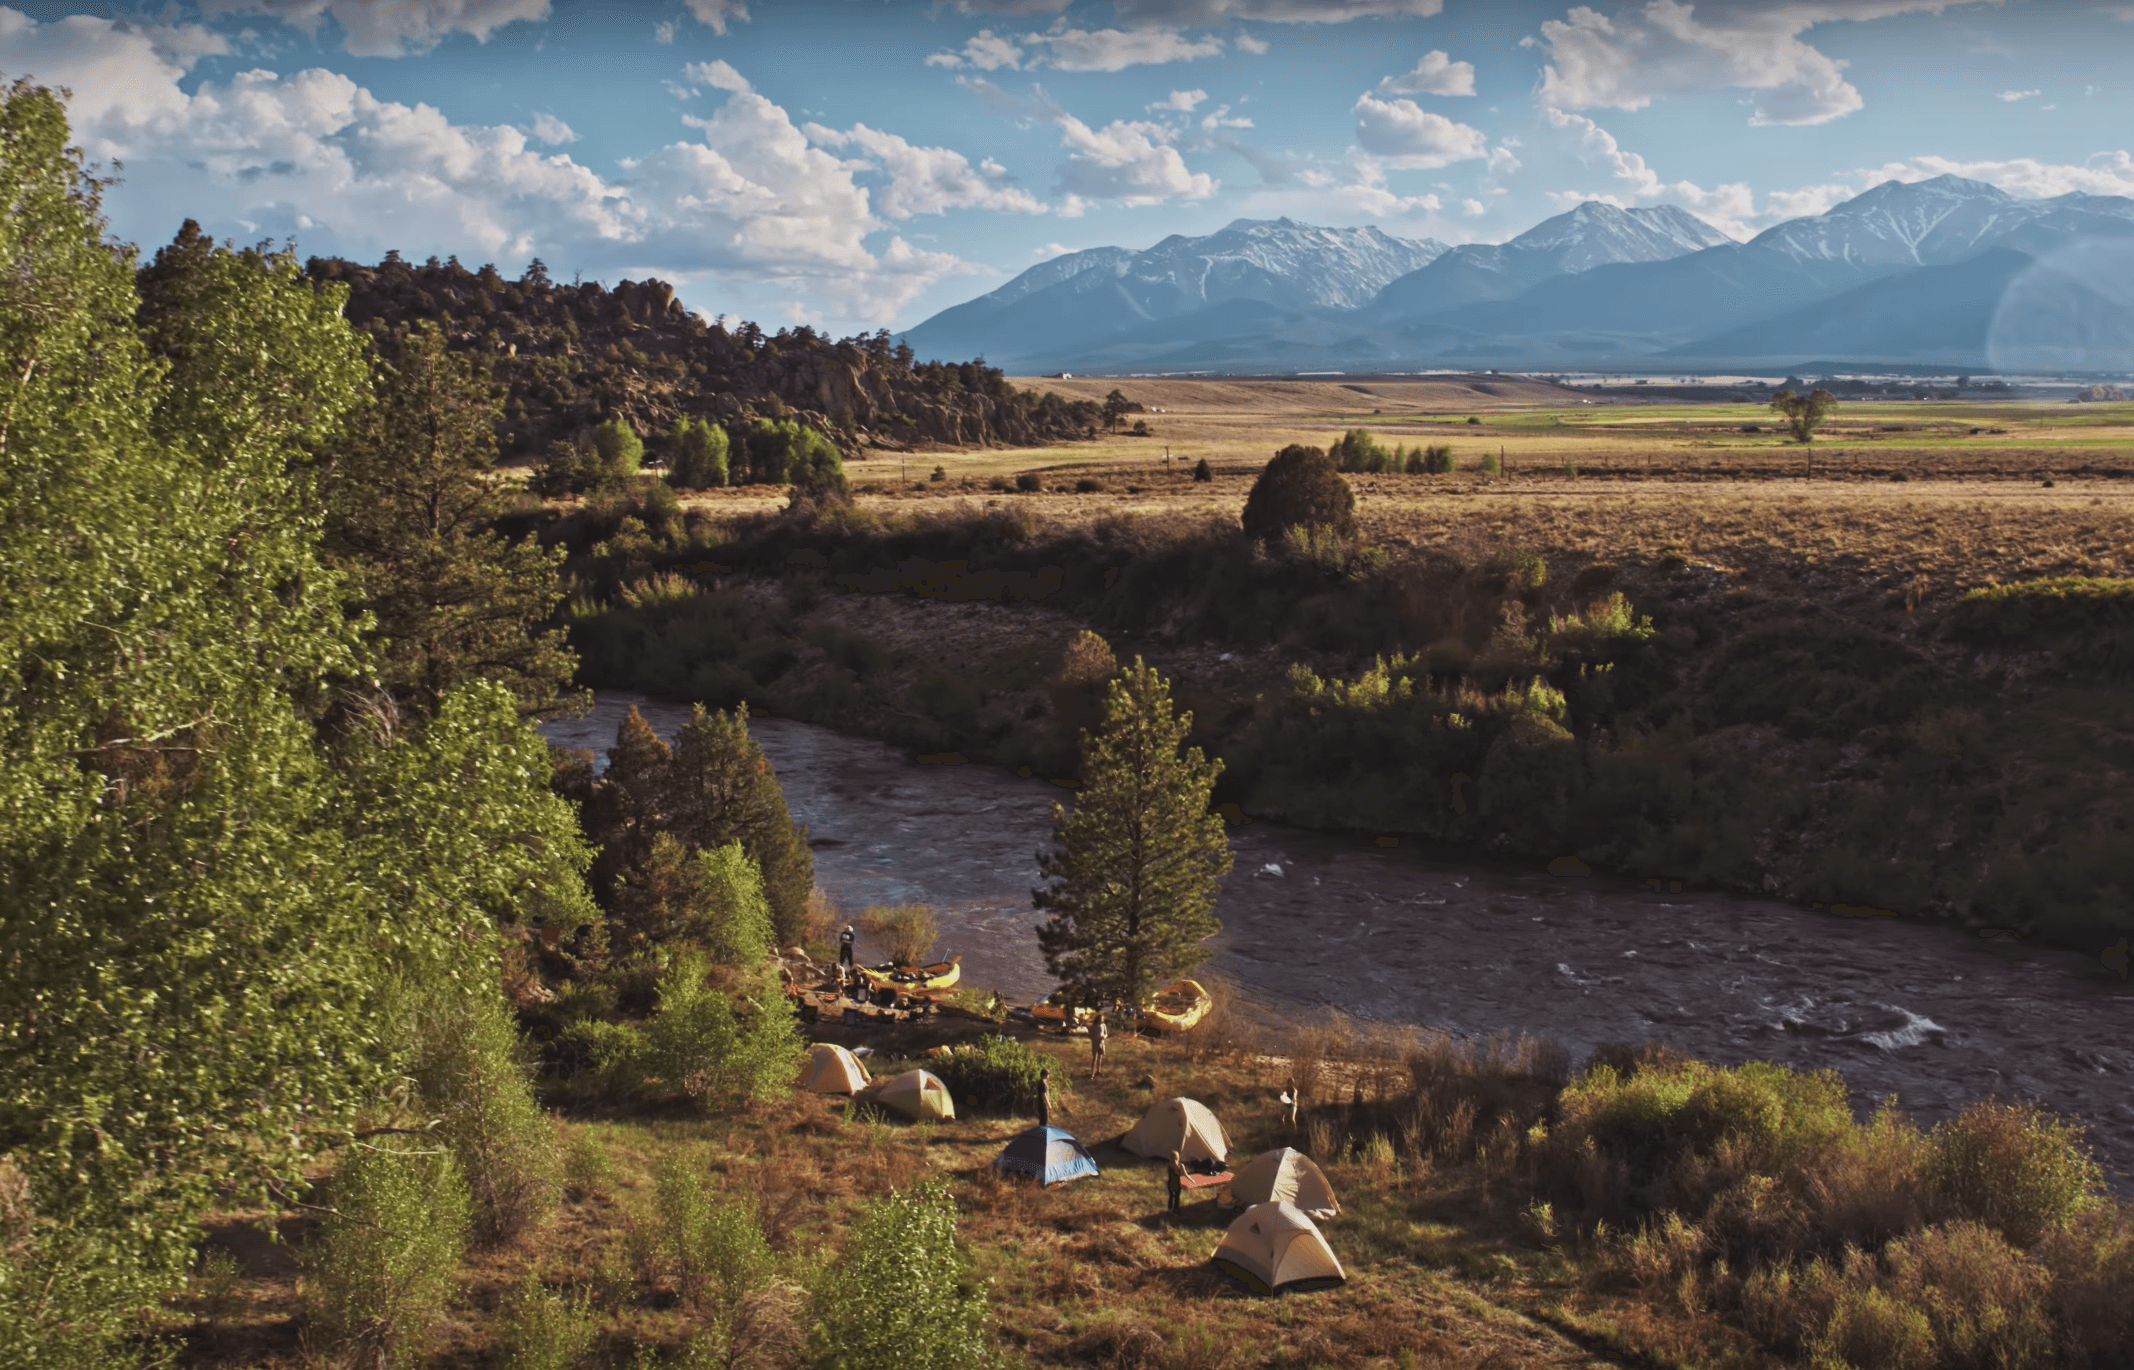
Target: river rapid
1310,920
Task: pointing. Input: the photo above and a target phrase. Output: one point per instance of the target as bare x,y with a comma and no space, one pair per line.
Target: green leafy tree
204,907
1116,407
788,452
1804,413
724,790
699,455
1134,867
466,1066
1300,488
900,1295
1357,450
411,515
620,450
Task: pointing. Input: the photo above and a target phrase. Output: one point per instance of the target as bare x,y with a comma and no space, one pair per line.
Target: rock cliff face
572,356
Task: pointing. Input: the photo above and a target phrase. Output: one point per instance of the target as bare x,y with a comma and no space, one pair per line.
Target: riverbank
1791,697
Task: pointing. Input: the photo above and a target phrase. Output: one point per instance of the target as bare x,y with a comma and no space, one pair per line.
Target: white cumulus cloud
1127,161
389,28
547,128
717,14
1435,74
1118,49
987,51
928,180
1409,136
718,74
1183,101
2011,96
1649,51
1731,207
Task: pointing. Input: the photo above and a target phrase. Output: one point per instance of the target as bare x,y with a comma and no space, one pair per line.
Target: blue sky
862,163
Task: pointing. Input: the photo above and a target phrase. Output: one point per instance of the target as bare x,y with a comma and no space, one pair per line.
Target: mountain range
1945,271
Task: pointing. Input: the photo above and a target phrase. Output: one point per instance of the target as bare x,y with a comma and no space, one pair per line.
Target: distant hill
573,356
1601,285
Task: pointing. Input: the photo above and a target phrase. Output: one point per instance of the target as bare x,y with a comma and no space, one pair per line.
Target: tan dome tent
832,1070
916,1094
1276,1248
1285,1175
1181,1125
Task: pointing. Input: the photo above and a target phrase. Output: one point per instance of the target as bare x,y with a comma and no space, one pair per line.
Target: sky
859,164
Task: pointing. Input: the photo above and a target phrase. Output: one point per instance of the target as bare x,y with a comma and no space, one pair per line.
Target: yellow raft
1054,1010
1178,1007
915,979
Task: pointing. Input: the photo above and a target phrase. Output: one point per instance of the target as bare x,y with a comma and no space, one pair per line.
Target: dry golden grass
1089,1274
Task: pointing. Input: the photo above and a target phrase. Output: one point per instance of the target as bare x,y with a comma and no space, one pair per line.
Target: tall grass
908,931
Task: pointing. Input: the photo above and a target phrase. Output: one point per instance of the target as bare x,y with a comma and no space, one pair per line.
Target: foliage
697,455
723,790
1202,472
1357,450
207,896
2013,1167
1434,460
411,510
466,1066
697,1046
996,1074
1134,868
541,1329
908,930
380,1267
2086,621
1300,487
710,899
898,1296
1804,413
786,452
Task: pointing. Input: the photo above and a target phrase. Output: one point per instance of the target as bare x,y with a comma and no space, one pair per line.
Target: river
1922,1011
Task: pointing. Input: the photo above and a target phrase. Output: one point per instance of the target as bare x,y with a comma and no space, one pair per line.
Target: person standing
845,941
1289,1104
1044,1098
1098,1032
1174,1183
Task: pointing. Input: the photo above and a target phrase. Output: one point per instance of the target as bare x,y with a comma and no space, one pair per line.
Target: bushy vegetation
907,931
899,1295
2086,621
995,1074
381,1268
1301,487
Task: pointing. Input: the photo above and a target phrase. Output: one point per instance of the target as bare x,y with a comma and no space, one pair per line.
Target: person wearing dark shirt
1174,1182
845,941
1044,1098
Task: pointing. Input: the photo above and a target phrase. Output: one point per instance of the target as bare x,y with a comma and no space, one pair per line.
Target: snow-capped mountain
1594,234
1081,300
1940,222
1904,270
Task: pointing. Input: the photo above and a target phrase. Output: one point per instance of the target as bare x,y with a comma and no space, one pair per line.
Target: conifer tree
724,791
1134,870
410,513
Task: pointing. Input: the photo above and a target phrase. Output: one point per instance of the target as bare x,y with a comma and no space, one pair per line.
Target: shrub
696,1045
734,915
1202,472
1299,488
2087,620
1029,482
697,455
1433,461
2012,1167
995,1074
539,1329
908,929
380,1267
1473,420
940,474
714,1251
1357,450
618,448
468,1069
787,452
1088,486
1490,465
66,1296
898,1295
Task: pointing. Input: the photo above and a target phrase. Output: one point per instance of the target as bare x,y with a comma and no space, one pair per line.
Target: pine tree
1134,870
724,791
410,510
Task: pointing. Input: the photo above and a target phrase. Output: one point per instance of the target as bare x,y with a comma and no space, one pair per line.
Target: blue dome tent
1052,1155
